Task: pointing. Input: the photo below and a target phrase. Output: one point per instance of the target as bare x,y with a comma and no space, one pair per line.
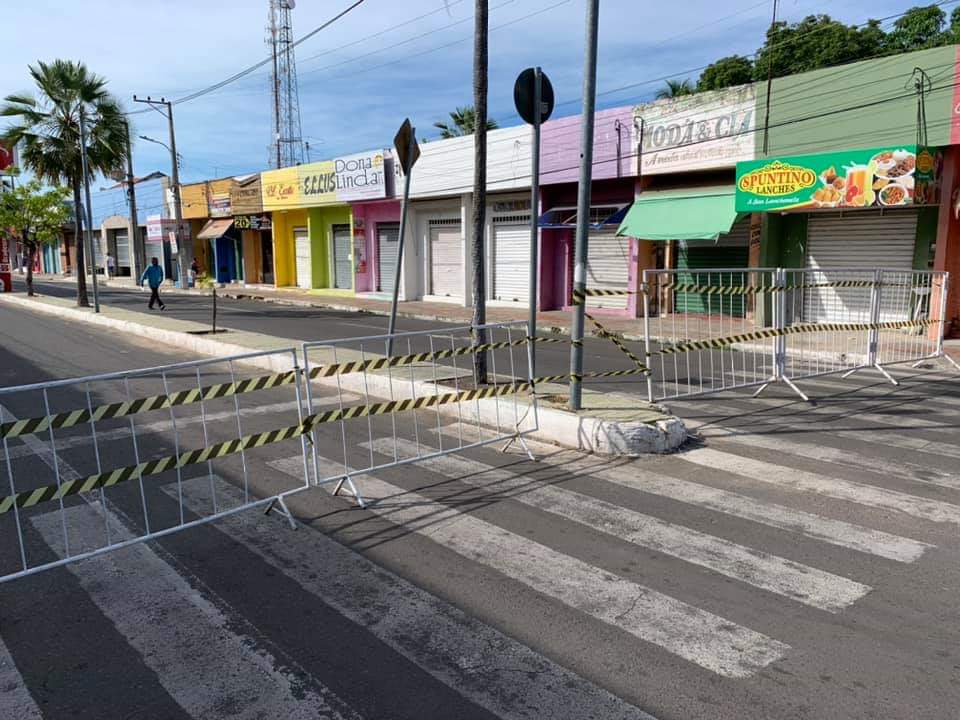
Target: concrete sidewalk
609,424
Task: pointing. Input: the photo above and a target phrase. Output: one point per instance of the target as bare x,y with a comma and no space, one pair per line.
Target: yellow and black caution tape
579,297
722,342
616,340
695,288
70,418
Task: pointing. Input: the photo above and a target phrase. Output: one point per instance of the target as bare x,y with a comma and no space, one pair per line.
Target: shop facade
255,228
312,220
376,229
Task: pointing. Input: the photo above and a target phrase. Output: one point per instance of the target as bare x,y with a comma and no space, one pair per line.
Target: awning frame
568,213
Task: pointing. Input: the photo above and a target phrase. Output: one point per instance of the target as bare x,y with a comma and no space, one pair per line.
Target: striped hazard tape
763,289
616,340
721,342
70,418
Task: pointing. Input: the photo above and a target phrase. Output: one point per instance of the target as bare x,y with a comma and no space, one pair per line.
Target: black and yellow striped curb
722,342
355,366
71,418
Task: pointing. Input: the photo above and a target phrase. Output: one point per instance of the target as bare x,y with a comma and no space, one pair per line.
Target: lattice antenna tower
287,146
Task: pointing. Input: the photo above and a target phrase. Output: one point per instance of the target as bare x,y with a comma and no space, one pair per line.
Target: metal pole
391,329
183,251
583,203
139,251
91,250
766,114
534,220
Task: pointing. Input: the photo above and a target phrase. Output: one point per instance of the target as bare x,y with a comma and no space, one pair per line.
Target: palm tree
464,122
480,125
48,132
675,88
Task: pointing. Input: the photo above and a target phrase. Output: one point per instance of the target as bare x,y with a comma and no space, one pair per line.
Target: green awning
689,214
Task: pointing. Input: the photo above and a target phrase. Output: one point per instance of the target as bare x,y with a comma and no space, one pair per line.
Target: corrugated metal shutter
731,250
861,240
123,250
342,266
388,243
304,270
511,259
445,260
608,267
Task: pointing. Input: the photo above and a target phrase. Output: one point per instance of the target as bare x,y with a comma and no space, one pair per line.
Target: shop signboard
696,132
853,179
245,197
252,222
220,205
346,179
280,189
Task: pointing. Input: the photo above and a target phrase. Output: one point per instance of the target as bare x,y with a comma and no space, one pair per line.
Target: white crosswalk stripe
696,635
817,527
182,636
769,572
903,468
801,480
15,699
485,666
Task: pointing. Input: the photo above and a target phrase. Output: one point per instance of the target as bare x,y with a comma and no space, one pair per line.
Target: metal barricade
917,302
96,463
701,329
423,392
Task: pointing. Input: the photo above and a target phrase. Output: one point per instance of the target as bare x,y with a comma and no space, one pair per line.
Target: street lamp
163,145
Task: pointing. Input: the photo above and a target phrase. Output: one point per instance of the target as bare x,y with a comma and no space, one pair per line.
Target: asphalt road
797,562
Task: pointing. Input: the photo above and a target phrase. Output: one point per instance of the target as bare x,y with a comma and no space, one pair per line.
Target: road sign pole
411,143
534,220
91,249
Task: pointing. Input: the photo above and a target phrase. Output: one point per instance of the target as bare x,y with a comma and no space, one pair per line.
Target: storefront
223,241
866,208
376,233
313,231
196,213
255,227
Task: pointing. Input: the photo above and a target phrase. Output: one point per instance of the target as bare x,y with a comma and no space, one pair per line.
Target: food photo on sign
876,177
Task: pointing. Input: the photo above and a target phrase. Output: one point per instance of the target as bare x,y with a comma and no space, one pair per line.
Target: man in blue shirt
153,275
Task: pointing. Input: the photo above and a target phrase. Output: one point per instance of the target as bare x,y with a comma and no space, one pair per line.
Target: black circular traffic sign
524,91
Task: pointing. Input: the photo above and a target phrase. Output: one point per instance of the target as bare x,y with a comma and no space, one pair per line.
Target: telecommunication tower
287,146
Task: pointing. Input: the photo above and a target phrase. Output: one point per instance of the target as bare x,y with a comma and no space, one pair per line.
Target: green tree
955,25
463,121
725,72
47,129
675,88
920,27
816,41
35,216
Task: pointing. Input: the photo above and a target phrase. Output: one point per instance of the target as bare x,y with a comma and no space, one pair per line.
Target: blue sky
363,75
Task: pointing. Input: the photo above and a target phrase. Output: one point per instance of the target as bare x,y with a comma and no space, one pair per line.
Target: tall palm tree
48,133
463,122
675,88
480,68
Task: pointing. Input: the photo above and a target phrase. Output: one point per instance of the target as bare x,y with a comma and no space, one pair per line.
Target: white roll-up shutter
858,240
301,240
511,259
608,267
388,242
123,249
446,264
342,265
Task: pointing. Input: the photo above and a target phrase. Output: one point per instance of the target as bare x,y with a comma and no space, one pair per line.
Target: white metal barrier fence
97,463
425,389
116,451
720,329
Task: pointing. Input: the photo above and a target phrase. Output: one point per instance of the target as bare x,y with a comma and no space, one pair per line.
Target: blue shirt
153,275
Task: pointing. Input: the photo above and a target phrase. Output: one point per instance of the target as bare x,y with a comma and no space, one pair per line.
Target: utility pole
583,203
184,247
91,250
766,114
139,251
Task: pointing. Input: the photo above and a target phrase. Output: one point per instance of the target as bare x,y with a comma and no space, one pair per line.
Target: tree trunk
82,299
31,255
480,187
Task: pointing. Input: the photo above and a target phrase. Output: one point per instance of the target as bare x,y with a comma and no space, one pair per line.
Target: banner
872,177
280,189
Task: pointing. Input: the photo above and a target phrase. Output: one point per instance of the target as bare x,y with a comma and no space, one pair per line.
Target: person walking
111,266
154,277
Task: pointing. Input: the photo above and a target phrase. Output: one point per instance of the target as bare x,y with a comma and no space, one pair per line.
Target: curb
589,434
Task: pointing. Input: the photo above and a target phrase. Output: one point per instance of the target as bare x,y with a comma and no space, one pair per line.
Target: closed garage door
445,259
301,242
342,266
511,260
123,253
859,240
728,251
388,241
608,267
